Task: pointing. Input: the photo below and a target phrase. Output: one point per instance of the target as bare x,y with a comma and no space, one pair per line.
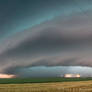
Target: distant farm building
72,75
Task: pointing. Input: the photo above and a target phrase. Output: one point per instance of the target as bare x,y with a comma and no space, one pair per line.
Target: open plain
79,86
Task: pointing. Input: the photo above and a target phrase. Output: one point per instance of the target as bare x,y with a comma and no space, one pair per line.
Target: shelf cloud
59,40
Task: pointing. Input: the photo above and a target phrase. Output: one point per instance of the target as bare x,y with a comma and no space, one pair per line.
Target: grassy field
83,86
40,80
46,85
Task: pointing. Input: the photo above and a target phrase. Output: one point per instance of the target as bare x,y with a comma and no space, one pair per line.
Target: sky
45,38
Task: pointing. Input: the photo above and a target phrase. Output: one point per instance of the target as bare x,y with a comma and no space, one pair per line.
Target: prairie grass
82,86
41,80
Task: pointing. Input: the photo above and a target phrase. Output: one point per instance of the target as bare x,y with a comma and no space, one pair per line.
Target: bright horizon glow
7,76
72,75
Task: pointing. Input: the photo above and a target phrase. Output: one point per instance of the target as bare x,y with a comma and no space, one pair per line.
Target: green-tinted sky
39,34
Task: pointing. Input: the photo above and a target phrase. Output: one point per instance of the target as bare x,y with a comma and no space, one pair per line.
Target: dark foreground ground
40,80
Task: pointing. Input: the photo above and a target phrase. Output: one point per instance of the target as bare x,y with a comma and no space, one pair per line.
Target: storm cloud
59,40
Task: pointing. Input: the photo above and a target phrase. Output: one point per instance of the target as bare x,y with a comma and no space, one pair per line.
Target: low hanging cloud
54,71
60,42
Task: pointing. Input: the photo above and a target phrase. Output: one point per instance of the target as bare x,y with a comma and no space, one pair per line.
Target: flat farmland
41,80
79,86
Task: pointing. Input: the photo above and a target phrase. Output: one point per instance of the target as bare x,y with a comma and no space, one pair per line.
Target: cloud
64,41
54,71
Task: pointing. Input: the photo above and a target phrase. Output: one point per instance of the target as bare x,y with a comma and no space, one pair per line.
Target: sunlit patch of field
83,86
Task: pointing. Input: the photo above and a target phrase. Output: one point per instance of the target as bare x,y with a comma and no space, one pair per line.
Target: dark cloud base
47,37
54,71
